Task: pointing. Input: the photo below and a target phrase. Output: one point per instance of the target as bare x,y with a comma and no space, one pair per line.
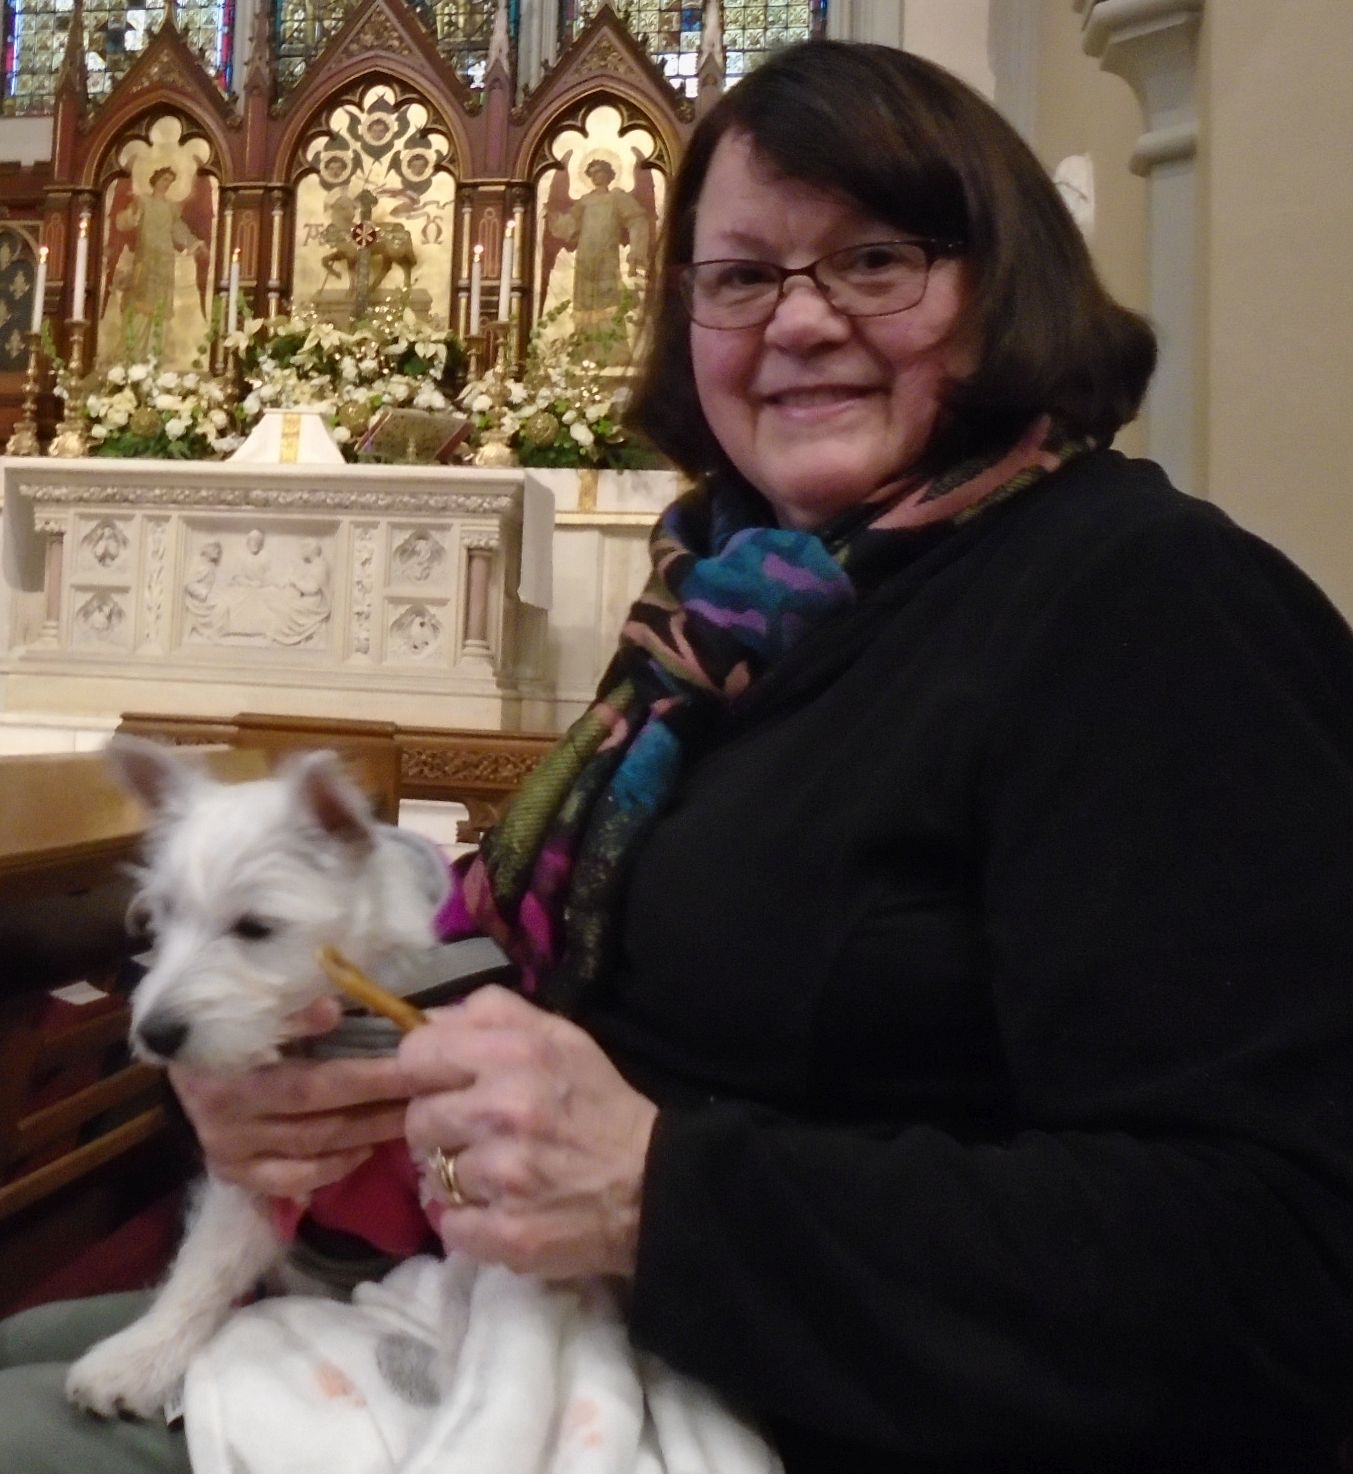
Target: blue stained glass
115,35
672,30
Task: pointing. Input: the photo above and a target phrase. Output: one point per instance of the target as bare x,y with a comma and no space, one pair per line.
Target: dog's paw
137,1371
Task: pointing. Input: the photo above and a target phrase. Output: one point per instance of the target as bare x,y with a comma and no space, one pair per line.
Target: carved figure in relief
419,556
105,542
100,616
302,605
416,630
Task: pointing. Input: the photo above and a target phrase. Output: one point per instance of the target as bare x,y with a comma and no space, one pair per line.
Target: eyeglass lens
861,281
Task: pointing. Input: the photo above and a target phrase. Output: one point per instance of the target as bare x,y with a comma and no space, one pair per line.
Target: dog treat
361,989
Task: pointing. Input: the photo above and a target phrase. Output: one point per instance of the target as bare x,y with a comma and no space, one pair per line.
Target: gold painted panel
158,258
597,214
375,212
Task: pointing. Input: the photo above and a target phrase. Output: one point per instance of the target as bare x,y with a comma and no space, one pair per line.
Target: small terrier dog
243,884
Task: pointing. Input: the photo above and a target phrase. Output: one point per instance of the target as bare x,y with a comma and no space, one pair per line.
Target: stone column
54,530
1152,45
866,20
480,547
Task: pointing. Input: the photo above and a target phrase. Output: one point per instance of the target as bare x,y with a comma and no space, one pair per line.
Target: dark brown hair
915,147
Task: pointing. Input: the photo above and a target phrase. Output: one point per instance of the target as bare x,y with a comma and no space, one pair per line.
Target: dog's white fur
244,883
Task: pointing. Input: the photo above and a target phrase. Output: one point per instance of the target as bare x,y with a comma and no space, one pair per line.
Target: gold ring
444,1169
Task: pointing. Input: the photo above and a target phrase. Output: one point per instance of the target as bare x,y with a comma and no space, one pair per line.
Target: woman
946,1035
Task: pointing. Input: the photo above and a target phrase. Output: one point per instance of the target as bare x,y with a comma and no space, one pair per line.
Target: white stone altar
420,595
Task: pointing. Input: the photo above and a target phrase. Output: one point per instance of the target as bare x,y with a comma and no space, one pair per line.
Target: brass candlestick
23,440
70,438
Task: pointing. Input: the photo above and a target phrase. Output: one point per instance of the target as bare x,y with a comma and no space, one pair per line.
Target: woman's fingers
288,1177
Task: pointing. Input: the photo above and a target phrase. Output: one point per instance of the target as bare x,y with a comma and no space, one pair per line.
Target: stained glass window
462,29
673,29
115,35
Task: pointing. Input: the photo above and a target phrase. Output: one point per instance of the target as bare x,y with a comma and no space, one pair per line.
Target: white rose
569,416
252,403
266,392
169,379
167,401
190,381
481,404
175,427
136,373
117,418
509,425
581,434
219,418
98,432
342,434
399,391
117,374
593,412
516,392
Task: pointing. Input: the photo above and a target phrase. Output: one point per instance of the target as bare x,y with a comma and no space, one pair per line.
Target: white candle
476,287
233,297
505,274
77,302
39,290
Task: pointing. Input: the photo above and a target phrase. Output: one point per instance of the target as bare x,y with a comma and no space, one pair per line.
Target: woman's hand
548,1140
287,1129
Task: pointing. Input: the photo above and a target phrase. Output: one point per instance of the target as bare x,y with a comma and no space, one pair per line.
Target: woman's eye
251,929
742,276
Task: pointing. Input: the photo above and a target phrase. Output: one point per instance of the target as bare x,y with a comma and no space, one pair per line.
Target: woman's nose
804,317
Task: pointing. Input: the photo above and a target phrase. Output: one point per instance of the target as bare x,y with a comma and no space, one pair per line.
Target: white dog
244,883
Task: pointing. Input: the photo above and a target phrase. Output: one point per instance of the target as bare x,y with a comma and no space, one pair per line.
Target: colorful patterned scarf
727,598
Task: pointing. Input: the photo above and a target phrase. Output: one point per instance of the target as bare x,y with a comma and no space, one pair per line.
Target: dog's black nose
163,1036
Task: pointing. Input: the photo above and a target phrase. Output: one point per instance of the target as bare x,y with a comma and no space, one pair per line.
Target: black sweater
994,971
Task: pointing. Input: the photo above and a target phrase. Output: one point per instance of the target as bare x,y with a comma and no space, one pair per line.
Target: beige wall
1083,110
1277,210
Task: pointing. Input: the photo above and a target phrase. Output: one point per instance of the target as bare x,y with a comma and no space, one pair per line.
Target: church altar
434,596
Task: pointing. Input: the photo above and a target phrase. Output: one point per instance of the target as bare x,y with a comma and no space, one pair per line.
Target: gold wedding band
444,1169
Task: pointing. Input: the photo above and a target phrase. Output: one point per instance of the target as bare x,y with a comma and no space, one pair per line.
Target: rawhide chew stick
360,988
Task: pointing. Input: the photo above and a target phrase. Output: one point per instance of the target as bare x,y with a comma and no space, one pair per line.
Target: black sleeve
1162,1257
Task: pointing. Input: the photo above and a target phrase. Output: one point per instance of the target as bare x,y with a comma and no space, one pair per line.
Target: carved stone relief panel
418,557
417,633
246,585
100,619
363,584
101,546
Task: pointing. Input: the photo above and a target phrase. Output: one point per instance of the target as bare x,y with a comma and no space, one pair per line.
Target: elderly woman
935,942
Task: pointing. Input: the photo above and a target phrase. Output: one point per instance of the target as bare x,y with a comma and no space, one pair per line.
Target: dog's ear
330,798
151,771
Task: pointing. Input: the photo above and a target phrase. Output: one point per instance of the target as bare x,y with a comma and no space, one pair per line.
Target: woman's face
817,410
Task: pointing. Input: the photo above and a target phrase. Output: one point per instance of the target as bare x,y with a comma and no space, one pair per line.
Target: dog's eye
251,929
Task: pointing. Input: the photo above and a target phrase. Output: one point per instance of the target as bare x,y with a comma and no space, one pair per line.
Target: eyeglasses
871,280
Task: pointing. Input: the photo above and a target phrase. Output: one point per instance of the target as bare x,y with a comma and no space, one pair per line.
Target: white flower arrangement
347,373
564,410
138,409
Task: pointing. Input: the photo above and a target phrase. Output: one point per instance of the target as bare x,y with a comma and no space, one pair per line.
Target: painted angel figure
146,234
597,227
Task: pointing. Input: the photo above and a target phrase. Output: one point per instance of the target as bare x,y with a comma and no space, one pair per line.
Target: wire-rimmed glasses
870,280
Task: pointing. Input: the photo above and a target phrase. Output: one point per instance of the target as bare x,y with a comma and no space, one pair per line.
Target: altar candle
233,297
476,287
39,290
77,306
505,275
